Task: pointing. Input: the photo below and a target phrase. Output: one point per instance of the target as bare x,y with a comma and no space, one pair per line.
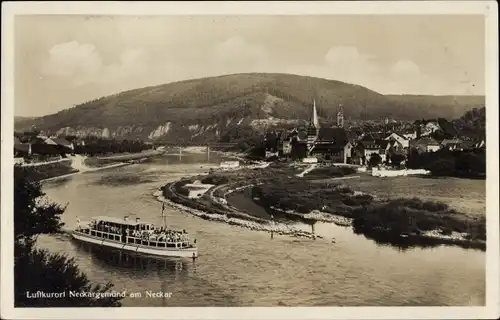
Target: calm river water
238,267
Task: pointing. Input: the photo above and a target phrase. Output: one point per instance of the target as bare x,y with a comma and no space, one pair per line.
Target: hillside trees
103,146
194,101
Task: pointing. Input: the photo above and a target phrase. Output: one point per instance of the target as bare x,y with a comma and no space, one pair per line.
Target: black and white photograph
282,155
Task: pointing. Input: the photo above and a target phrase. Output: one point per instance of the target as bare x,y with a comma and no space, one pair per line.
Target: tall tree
39,270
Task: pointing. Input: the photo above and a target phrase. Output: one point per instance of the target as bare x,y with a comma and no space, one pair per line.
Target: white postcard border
487,8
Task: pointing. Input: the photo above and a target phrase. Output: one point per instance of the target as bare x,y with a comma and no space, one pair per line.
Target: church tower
340,117
313,130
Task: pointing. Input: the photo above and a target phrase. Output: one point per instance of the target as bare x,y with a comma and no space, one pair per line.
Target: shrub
412,215
396,159
359,200
375,160
215,179
443,167
180,188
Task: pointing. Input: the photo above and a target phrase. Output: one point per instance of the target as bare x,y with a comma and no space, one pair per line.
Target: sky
63,60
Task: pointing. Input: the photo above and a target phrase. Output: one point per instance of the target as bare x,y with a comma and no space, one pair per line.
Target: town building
429,128
326,143
42,147
348,151
21,150
64,144
399,139
408,133
368,146
425,144
452,144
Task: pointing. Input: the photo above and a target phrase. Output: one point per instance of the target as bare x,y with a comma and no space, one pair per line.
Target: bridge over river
188,147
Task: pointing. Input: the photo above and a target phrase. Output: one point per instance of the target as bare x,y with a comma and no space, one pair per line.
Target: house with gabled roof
21,149
402,141
367,147
408,133
453,144
64,143
425,144
430,127
330,144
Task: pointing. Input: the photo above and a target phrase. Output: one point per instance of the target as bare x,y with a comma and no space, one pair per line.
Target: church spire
340,117
314,118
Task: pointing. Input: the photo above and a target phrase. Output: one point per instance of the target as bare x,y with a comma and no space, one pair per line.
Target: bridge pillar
180,153
208,152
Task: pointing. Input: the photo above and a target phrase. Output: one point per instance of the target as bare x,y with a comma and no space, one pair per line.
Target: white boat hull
164,252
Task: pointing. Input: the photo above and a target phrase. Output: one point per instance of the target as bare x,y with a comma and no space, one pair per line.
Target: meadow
464,195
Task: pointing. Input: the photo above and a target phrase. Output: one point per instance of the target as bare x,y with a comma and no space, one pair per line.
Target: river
238,267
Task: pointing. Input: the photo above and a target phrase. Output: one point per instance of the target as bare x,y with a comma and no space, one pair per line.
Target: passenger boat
136,236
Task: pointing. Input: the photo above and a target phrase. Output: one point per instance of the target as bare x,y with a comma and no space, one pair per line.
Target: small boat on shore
136,236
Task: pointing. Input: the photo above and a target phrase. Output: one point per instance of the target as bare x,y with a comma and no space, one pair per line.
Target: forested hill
203,109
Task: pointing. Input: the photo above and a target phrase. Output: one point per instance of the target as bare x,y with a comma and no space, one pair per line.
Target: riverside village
384,180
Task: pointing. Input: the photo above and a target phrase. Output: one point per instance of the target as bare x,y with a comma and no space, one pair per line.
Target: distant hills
21,120
204,109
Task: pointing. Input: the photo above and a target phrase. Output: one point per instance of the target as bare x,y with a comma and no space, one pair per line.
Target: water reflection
142,273
57,182
121,179
245,268
414,241
137,265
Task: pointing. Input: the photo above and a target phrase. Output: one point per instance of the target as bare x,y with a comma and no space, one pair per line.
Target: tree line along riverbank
402,222
50,170
73,164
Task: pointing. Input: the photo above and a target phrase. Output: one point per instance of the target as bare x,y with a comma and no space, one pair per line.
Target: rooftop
337,135
374,144
130,222
424,141
451,141
62,142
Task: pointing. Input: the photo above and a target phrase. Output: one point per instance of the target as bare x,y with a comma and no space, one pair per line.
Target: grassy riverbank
464,195
94,162
390,220
329,172
397,221
51,170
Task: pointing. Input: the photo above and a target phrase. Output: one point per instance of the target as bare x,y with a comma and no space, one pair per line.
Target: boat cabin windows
142,227
139,234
